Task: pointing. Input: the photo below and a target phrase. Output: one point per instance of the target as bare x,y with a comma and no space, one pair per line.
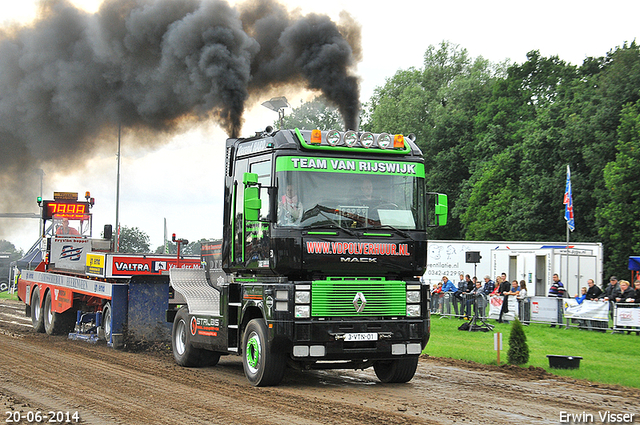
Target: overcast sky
183,180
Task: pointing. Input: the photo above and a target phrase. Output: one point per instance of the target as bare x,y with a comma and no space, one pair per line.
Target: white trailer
533,262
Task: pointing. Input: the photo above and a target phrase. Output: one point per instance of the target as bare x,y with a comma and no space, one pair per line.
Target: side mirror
440,209
252,202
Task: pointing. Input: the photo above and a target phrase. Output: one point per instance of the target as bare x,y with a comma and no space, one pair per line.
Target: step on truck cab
325,233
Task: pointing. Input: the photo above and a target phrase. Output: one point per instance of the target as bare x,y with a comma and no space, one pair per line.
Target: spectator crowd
470,296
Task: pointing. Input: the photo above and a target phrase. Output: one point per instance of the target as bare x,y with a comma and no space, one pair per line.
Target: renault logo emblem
359,301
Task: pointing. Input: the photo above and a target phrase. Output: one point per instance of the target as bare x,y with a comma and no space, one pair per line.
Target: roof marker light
367,139
398,141
350,138
316,137
333,137
384,140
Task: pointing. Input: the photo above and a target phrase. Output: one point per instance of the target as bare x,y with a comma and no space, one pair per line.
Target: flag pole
568,216
567,252
117,244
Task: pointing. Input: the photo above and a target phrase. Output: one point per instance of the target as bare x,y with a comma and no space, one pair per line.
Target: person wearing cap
489,285
610,293
611,290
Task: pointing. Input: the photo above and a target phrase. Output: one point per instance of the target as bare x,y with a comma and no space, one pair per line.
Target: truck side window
263,170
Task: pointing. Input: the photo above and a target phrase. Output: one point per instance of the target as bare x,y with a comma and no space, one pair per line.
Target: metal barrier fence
561,312
448,305
626,317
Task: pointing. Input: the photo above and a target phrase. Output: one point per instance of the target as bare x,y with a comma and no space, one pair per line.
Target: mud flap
148,301
119,308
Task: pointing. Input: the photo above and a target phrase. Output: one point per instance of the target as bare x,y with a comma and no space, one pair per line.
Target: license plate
372,336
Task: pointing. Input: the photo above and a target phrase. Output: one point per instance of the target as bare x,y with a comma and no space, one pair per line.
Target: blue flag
568,203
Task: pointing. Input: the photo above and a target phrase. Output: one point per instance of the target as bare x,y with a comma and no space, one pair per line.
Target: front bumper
328,340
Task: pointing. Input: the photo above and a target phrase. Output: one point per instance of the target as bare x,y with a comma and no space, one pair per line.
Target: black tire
56,323
183,352
106,321
262,366
396,371
37,311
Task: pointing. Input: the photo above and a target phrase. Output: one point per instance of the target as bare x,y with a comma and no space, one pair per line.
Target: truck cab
324,235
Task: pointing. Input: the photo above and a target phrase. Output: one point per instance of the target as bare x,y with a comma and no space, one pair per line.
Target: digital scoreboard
73,210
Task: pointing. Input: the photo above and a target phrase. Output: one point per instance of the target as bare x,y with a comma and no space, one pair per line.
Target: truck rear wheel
56,323
37,311
184,353
262,366
396,371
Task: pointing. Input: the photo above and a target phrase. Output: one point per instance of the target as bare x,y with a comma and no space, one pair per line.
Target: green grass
6,295
607,358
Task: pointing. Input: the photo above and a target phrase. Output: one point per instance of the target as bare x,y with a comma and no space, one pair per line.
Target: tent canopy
31,259
634,263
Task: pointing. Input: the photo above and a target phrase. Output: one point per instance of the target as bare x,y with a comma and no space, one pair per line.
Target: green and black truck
324,242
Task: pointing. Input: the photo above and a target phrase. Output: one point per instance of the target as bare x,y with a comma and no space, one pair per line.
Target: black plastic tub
564,362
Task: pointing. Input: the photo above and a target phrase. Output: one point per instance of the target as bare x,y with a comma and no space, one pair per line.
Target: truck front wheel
396,371
262,366
37,311
184,353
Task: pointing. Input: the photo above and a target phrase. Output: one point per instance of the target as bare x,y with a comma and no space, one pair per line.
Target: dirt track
44,373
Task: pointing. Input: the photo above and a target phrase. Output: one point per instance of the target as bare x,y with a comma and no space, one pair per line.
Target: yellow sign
95,264
68,196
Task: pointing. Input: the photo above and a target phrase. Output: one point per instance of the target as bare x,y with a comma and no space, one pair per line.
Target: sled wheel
396,371
56,323
37,311
262,366
106,321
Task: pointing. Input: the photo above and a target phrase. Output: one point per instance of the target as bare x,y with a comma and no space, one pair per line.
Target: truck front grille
339,297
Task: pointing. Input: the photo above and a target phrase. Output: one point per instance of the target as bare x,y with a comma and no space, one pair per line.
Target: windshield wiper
322,210
332,225
388,226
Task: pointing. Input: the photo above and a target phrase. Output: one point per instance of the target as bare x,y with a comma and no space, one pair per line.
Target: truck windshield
369,194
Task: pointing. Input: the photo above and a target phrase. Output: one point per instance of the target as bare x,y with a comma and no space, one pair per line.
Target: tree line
497,138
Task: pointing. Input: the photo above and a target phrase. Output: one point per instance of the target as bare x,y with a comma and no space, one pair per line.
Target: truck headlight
413,310
303,297
413,297
304,311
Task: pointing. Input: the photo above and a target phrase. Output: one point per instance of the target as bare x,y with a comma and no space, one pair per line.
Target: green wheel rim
253,352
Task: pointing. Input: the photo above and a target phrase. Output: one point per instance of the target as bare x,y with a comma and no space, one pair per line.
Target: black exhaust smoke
150,64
